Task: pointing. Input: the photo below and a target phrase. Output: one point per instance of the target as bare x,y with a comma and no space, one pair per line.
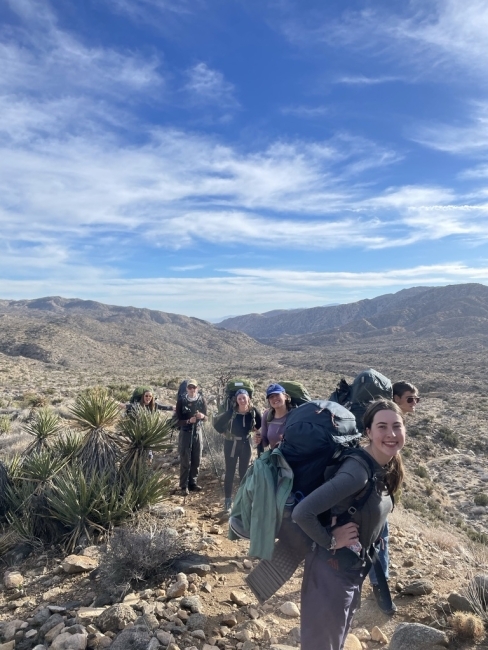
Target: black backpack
188,408
366,387
316,434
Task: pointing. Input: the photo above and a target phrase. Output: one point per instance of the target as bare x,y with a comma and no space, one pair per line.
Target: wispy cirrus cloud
469,139
362,80
205,85
307,112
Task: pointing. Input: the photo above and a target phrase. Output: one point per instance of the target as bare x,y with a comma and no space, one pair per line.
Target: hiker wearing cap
237,424
406,397
191,411
339,558
274,418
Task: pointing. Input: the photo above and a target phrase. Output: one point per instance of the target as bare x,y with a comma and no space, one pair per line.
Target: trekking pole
213,459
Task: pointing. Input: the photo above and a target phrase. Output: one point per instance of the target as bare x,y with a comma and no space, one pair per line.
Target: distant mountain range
87,334
455,310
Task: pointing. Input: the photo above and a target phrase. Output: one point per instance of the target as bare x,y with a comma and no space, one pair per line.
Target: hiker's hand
199,416
256,438
192,420
346,535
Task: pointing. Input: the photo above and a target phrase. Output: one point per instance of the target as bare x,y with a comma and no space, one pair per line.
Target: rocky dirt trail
206,605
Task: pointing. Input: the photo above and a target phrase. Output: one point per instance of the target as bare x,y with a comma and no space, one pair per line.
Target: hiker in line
146,401
274,418
406,397
337,564
237,424
191,411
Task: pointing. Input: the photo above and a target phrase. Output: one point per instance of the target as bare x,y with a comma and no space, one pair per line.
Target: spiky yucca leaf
144,487
73,500
140,433
4,482
67,445
98,454
14,466
44,424
41,467
27,511
95,409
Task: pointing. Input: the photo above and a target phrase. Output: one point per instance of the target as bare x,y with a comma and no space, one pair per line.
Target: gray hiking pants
190,451
237,449
330,596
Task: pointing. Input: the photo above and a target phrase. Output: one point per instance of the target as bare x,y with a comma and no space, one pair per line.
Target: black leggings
235,450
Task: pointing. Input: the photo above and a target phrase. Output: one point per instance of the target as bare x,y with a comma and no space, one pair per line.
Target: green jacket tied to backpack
260,502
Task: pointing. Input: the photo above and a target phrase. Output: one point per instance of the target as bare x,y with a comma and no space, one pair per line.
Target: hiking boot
184,491
385,608
228,505
195,488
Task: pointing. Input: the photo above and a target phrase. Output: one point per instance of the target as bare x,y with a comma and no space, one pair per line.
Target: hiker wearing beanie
274,418
338,561
237,424
191,411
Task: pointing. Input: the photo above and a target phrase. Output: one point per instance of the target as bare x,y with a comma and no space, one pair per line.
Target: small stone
459,603
240,598
53,632
178,589
67,641
418,588
165,638
193,603
378,635
247,564
362,633
216,530
116,618
207,587
79,564
10,645
199,634
290,609
13,579
352,643
229,620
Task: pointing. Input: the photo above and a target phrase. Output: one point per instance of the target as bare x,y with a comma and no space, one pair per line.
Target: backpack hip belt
234,446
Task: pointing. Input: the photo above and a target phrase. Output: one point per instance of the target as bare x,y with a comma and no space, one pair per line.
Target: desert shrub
135,555
448,436
120,392
173,383
481,499
406,452
421,471
68,444
33,400
5,424
213,450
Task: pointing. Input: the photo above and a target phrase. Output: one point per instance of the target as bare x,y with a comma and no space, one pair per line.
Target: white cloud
307,112
430,35
258,289
362,80
469,139
207,86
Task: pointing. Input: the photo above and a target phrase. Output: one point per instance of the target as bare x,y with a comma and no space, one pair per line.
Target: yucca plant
5,424
142,432
95,411
4,482
143,487
41,467
67,445
74,501
43,426
26,512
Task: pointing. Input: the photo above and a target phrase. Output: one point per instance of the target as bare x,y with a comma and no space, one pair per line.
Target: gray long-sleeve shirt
337,495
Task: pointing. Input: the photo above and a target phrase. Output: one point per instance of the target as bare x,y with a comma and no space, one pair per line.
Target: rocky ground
49,600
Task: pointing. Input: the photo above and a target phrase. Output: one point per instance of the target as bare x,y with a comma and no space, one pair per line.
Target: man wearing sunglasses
406,396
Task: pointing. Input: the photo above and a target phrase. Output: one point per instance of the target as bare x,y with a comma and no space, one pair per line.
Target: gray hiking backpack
366,387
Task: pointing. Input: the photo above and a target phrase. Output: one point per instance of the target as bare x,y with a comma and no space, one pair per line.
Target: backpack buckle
352,510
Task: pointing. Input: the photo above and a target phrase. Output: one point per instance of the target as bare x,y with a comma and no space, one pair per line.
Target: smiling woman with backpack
237,424
274,418
337,564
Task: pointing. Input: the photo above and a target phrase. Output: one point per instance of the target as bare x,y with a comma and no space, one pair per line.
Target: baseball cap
274,388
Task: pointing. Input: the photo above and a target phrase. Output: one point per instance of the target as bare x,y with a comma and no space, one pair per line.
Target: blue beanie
242,391
274,388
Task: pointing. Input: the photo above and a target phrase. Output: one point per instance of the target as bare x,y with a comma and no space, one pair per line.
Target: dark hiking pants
383,555
190,450
330,596
237,449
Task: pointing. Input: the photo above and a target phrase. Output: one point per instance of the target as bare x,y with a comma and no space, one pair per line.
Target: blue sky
220,157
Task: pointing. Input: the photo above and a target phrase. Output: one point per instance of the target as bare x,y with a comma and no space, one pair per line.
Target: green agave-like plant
67,445
74,502
41,467
143,431
44,424
144,487
26,512
95,411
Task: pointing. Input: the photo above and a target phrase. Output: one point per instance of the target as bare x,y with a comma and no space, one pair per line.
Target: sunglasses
412,400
